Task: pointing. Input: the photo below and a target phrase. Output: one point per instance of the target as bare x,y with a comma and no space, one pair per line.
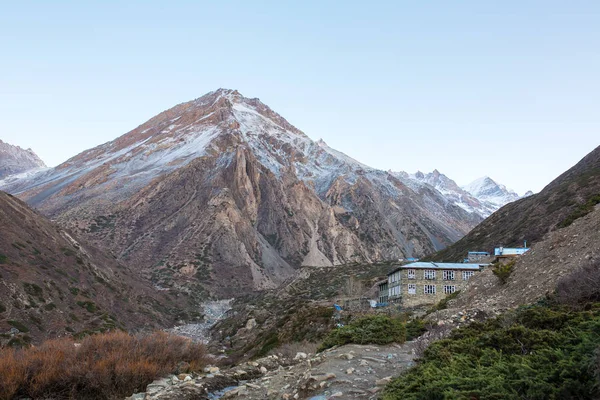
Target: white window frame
449,275
412,288
429,289
449,289
412,274
467,275
429,274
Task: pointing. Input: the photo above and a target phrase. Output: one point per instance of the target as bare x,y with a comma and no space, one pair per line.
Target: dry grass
107,366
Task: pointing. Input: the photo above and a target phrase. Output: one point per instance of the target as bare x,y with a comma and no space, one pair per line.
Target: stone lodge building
426,283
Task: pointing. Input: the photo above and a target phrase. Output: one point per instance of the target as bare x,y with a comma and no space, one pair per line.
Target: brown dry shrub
12,373
581,286
106,366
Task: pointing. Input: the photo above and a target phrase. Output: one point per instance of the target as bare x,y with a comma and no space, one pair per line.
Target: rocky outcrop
15,160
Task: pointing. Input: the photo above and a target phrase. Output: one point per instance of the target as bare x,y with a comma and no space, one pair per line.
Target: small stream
220,393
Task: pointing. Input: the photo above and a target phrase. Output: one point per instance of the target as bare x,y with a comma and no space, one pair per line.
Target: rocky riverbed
213,311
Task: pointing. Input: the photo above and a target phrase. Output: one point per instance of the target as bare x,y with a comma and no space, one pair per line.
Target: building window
448,289
429,274
429,289
467,275
412,274
448,275
412,288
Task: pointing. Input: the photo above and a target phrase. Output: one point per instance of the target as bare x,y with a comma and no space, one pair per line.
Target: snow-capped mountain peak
486,189
15,160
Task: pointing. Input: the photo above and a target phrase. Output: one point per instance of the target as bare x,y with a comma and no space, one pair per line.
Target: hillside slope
538,271
530,218
51,284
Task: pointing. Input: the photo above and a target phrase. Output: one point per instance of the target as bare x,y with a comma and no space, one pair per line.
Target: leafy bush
537,352
415,328
503,271
106,366
2,308
378,329
3,259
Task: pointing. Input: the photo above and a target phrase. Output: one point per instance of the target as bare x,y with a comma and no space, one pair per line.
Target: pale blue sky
509,89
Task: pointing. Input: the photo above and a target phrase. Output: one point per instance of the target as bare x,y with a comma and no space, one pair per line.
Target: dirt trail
346,372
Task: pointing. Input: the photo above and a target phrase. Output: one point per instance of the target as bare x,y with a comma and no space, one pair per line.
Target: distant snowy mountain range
483,196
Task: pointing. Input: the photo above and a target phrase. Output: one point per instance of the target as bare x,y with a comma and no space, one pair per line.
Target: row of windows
430,289
447,275
395,277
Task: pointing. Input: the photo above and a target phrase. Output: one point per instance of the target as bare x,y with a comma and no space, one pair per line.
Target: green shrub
443,304
415,328
20,326
2,308
34,290
503,271
269,344
536,352
74,291
378,329
90,306
3,259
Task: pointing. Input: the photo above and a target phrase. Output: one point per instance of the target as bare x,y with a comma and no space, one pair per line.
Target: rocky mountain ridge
223,193
15,160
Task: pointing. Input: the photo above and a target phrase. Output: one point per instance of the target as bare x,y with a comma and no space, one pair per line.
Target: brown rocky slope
537,272
52,284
